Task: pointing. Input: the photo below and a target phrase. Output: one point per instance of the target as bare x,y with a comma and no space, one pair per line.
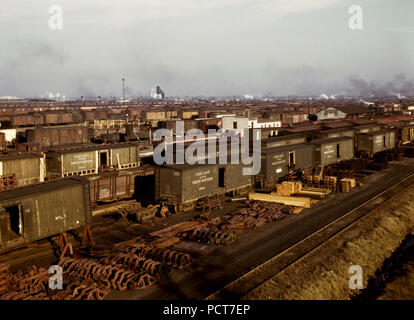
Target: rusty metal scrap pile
114,276
136,267
33,284
256,215
166,256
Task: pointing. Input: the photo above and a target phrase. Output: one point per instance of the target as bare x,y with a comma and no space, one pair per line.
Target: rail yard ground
216,267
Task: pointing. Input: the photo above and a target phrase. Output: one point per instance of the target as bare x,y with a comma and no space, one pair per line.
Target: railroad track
303,248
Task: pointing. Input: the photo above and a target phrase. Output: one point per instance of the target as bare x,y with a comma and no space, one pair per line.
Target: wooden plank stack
347,184
291,201
288,188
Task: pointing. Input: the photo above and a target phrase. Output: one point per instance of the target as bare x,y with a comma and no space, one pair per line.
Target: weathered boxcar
91,159
28,168
49,137
277,162
328,151
404,131
182,184
110,186
38,211
373,142
185,184
283,141
24,120
51,118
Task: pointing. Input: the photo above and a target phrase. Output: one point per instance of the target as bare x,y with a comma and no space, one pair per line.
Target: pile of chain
82,290
4,278
163,255
31,281
113,276
135,263
33,284
209,236
256,215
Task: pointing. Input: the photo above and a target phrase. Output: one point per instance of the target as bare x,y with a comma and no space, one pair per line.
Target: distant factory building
342,112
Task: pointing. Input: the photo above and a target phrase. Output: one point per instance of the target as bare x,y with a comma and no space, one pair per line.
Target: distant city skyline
207,48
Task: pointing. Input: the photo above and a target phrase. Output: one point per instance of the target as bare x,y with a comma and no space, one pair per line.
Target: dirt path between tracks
324,274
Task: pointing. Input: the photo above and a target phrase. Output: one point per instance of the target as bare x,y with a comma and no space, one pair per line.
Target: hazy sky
205,47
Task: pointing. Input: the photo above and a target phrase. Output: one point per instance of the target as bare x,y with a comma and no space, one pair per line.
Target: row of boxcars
280,156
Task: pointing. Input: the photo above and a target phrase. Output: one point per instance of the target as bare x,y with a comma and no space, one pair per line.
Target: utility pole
123,89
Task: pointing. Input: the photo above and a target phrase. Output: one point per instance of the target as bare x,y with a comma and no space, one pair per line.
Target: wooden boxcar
185,184
404,131
42,210
28,168
115,185
328,151
91,159
49,137
277,162
373,142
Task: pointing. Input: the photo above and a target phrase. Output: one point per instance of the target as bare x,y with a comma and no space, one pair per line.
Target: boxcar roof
372,125
26,191
342,129
187,166
19,155
374,133
88,147
331,140
282,138
284,148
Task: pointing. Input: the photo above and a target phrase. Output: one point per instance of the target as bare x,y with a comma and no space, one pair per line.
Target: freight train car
53,118
26,120
372,142
328,151
91,159
31,213
182,185
280,161
49,137
404,131
27,168
111,186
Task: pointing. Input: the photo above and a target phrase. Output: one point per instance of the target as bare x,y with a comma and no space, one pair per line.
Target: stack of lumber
317,193
288,188
4,278
350,181
347,184
317,180
290,201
